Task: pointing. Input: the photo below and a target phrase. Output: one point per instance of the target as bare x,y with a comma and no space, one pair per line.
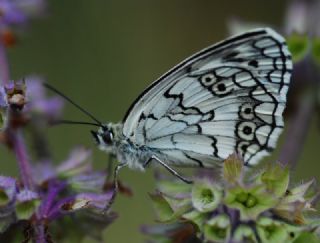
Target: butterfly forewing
224,99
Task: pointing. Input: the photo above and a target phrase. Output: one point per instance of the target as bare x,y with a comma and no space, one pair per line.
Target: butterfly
228,98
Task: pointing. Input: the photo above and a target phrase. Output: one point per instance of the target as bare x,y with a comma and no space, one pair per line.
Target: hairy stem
20,151
15,134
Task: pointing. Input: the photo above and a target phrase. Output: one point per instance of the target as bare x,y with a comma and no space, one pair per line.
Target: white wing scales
227,98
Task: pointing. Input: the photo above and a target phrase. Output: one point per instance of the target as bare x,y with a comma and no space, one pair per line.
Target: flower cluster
45,196
235,208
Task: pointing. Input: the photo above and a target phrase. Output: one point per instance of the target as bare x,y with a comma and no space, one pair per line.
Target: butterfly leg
115,187
111,158
172,171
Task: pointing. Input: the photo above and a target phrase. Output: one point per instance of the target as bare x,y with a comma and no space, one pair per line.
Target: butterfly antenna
58,122
48,86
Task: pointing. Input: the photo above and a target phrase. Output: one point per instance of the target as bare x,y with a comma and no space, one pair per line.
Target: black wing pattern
226,98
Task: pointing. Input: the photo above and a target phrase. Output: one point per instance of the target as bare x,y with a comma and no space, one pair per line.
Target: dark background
104,53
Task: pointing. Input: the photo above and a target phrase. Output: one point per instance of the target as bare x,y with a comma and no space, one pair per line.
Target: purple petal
8,186
93,181
80,201
31,7
54,189
9,86
52,107
37,101
77,163
35,90
10,13
27,195
3,98
43,171
17,12
297,17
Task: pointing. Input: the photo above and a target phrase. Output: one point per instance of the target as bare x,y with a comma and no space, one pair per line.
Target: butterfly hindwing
227,98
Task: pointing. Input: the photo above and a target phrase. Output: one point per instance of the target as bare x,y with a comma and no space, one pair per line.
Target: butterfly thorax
111,140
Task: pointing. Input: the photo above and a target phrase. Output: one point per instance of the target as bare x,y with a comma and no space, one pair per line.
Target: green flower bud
218,229
270,230
251,202
298,46
244,233
232,169
292,205
206,196
276,179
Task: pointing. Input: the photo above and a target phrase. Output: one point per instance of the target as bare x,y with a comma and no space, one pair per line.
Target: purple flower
17,13
10,13
16,94
38,103
27,202
71,188
77,163
302,17
8,190
27,100
46,196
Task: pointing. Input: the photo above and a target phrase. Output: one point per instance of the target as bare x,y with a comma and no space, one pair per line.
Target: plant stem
15,135
20,151
4,66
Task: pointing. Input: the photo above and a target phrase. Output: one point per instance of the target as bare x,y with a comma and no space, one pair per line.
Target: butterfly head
104,137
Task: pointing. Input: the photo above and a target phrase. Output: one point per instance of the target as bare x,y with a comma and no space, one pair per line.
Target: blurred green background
104,53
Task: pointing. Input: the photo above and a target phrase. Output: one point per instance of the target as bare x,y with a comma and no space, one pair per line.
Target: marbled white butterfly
226,98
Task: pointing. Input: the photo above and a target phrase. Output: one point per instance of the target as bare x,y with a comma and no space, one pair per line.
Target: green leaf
6,221
206,196
232,169
307,237
196,217
163,209
316,49
173,188
3,118
298,46
24,210
4,198
276,179
179,206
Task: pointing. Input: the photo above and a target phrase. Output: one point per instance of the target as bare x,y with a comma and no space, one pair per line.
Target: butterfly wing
224,99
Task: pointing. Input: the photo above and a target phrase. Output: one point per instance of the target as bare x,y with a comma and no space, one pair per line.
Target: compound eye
107,137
